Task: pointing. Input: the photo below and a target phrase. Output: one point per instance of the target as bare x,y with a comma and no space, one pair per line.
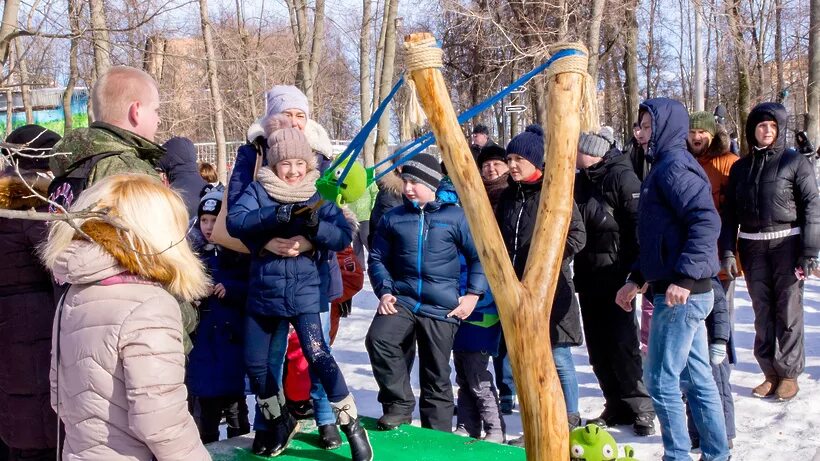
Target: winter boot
766,388
610,418
644,425
348,418
390,421
517,442
282,428
574,420
787,389
329,437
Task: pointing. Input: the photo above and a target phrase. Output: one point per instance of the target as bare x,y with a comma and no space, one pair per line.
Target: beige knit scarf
283,192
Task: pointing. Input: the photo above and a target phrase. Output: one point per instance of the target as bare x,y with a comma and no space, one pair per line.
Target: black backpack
64,189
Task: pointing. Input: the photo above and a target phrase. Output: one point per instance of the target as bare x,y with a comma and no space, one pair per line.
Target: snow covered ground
765,429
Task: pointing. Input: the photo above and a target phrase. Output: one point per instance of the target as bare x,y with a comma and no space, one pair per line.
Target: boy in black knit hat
414,269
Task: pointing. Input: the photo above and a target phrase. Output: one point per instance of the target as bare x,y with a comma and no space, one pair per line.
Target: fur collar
391,183
114,243
15,195
720,144
256,130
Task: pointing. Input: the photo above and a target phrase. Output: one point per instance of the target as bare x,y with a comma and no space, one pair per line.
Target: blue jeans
266,368
322,412
678,357
562,355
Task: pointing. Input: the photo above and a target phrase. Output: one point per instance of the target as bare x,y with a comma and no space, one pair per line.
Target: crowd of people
141,322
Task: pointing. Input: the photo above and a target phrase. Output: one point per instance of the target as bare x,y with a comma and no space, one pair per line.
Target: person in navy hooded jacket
414,270
216,373
283,203
678,229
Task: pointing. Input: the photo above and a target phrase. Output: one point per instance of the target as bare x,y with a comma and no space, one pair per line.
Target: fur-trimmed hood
15,195
720,144
85,262
391,183
316,135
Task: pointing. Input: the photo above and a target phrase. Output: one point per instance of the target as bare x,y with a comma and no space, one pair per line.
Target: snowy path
766,429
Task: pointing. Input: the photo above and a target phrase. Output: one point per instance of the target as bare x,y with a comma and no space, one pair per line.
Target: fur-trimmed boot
282,427
348,419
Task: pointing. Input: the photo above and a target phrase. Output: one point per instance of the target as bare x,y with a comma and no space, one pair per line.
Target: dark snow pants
614,351
777,300
388,341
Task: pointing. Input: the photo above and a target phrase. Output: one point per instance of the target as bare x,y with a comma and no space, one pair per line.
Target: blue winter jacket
678,226
415,257
286,287
216,363
243,175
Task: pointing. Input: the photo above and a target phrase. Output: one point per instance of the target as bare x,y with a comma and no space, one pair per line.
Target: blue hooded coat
678,226
179,164
286,287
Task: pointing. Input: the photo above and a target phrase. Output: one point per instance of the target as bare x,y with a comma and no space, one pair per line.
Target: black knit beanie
424,169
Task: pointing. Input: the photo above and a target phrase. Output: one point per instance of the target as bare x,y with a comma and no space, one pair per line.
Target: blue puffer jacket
678,226
415,257
243,174
286,287
216,364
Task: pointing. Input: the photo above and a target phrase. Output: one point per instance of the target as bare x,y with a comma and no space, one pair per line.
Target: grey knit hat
424,169
593,145
289,143
283,97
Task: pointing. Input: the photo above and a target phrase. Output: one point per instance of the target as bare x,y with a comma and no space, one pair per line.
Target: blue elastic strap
425,141
355,146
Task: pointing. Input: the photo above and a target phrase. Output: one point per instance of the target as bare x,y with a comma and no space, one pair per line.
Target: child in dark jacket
216,373
290,286
414,270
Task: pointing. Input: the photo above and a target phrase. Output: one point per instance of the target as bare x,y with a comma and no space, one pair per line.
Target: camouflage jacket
139,155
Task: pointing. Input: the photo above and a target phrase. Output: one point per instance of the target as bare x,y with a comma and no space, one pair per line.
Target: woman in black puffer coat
517,210
772,197
27,306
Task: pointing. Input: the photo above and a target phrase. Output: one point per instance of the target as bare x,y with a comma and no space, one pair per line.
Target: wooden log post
525,307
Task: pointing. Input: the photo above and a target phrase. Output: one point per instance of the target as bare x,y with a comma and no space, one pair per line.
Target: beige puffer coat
122,368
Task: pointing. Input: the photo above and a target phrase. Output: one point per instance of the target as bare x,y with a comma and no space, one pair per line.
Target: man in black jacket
772,196
607,192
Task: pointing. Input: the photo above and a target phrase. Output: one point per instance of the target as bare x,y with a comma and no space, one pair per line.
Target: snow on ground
765,429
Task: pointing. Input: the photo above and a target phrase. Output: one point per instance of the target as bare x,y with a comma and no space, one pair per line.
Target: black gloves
345,307
308,214
808,264
728,265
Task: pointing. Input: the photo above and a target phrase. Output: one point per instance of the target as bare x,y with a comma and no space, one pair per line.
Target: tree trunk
377,75
316,47
650,51
778,49
386,80
99,37
8,27
365,96
594,38
813,119
631,65
73,71
216,96
9,111
741,61
698,94
154,58
25,87
246,51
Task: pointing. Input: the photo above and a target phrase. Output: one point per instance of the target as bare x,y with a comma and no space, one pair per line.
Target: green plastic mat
407,443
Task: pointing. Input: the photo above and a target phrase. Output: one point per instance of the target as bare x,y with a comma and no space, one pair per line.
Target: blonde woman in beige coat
117,362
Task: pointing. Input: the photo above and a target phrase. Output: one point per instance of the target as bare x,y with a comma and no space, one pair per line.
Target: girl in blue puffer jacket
287,286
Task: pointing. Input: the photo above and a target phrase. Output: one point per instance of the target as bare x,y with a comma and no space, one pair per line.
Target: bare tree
365,97
216,96
594,37
813,118
309,44
8,28
100,37
386,78
631,63
23,75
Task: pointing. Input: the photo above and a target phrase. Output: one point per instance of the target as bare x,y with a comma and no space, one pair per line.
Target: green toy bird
353,186
592,443
629,454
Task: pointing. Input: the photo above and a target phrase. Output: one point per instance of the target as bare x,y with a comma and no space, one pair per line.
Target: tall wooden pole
525,307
